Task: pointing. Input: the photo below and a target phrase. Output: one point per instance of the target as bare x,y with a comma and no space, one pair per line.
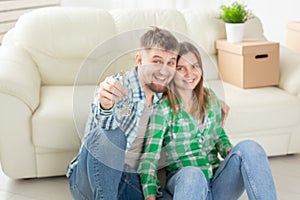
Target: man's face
156,68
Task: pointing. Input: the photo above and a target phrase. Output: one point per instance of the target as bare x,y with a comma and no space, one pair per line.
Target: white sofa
47,82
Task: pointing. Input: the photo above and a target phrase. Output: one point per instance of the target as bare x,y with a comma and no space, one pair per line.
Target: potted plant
235,15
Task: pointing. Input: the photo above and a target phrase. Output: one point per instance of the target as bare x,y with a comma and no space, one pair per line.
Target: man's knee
105,147
116,136
107,139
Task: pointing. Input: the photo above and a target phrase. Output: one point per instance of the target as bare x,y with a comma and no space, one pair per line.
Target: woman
187,124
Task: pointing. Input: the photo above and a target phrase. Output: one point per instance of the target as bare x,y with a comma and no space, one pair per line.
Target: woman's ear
138,59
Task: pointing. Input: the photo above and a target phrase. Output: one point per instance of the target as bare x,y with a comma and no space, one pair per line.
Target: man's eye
157,62
171,63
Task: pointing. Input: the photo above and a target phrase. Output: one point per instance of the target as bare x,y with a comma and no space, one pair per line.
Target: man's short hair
159,38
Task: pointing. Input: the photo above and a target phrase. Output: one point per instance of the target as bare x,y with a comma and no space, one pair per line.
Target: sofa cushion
257,109
59,121
202,26
289,71
267,115
132,19
59,39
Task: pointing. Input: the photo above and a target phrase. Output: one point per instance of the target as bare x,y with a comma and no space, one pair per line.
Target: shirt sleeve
222,142
104,118
153,145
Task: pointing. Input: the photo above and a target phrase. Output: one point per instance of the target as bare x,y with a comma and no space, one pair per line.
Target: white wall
274,14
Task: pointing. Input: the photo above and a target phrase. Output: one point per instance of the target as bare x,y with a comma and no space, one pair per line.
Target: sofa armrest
289,71
19,76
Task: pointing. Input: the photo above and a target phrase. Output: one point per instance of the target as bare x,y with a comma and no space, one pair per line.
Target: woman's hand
151,198
228,151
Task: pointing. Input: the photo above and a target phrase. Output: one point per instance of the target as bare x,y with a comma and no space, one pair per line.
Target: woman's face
188,72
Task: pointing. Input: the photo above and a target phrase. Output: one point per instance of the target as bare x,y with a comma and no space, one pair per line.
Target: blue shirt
111,119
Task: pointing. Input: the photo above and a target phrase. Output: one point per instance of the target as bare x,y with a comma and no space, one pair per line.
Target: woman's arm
222,142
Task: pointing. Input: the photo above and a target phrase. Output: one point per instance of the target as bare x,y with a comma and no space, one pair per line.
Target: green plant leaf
235,13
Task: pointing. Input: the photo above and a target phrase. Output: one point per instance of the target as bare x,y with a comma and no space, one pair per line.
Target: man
105,167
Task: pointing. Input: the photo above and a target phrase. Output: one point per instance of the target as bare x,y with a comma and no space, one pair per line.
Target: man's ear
138,59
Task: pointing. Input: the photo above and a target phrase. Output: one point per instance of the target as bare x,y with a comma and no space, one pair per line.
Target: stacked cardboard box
249,63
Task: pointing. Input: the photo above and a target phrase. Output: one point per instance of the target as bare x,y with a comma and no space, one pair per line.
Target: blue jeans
100,173
245,167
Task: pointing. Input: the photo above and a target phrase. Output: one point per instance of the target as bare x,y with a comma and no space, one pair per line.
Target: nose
165,70
191,71
188,72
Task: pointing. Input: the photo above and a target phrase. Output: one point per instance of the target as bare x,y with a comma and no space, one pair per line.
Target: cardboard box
249,63
293,36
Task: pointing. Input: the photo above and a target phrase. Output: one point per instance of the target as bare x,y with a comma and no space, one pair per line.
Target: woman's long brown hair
201,94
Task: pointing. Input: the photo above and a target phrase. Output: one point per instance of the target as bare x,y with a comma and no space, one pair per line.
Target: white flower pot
234,32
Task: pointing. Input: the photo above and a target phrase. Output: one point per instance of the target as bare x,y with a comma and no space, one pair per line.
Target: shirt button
201,139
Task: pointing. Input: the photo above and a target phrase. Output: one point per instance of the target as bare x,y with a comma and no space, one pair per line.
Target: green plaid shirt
187,142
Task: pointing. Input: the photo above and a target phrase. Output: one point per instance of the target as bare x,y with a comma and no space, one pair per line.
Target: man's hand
110,90
225,112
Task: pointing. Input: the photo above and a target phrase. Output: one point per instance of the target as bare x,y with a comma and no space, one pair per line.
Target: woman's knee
192,175
249,148
188,183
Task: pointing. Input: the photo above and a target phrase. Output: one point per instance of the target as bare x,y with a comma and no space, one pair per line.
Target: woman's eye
196,66
179,68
